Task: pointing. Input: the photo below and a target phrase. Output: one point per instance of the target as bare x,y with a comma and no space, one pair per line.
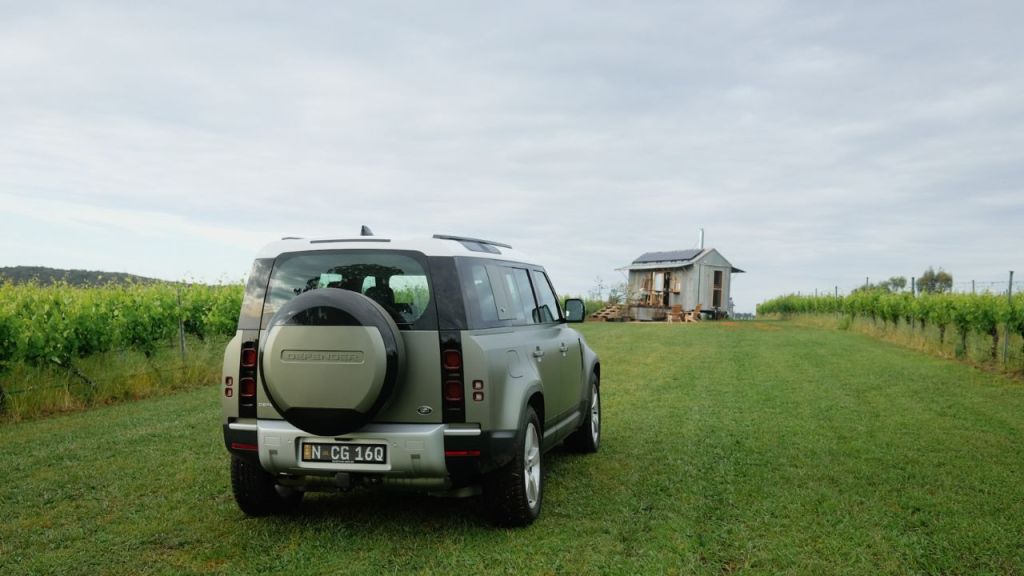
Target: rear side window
480,285
395,280
499,294
519,296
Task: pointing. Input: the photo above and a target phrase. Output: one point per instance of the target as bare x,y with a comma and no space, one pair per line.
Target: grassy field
33,391
760,447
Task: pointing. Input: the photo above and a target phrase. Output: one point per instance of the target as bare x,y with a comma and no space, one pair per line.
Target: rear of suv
444,365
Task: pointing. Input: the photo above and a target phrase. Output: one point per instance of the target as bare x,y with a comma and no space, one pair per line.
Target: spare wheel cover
330,360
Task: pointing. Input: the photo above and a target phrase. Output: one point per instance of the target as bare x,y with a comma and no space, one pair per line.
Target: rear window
395,280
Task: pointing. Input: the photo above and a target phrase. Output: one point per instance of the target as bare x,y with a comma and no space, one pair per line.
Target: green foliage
58,323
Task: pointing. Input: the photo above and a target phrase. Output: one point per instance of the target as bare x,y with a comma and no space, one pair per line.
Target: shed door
716,294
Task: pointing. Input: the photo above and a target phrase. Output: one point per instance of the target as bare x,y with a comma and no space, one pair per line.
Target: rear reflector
461,452
248,357
241,446
247,387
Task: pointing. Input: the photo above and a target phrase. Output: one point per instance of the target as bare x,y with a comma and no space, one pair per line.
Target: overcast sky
816,142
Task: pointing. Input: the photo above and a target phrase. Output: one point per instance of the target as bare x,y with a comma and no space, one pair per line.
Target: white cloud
817,143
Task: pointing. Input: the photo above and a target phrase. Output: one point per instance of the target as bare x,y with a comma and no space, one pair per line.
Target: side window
547,308
521,295
512,293
498,294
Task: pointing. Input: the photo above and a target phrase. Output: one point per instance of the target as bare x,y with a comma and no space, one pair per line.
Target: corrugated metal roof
670,256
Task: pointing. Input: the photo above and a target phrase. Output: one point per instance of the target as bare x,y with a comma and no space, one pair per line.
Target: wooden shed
660,280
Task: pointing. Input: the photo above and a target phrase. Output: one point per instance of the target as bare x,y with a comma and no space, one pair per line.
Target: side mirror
575,310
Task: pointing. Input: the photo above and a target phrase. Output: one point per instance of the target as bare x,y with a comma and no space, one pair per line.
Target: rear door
562,386
518,304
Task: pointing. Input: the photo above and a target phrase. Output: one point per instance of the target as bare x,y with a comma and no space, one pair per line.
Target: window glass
547,309
395,281
520,295
481,288
255,292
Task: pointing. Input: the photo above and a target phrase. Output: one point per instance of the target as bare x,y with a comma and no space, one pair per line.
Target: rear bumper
414,450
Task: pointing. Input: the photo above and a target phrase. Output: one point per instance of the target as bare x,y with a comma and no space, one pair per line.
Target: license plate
347,453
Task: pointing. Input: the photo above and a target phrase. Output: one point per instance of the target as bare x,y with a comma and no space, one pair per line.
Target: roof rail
468,239
292,238
334,240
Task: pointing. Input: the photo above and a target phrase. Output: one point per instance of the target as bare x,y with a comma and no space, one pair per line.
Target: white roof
428,246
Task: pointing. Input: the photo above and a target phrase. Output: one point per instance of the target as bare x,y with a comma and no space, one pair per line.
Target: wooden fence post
1006,335
181,329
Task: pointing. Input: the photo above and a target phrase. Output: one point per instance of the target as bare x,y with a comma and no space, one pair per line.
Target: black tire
513,493
587,438
255,491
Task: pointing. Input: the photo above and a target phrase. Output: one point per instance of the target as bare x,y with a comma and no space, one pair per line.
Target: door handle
563,348
538,353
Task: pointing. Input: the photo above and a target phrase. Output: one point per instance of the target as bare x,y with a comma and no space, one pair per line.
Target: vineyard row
44,324
984,314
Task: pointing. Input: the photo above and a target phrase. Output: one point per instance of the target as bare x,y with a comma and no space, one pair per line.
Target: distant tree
935,282
894,284
597,292
617,294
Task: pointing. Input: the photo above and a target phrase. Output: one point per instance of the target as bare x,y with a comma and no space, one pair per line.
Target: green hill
46,276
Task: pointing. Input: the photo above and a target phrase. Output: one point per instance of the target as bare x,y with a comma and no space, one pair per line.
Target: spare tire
330,360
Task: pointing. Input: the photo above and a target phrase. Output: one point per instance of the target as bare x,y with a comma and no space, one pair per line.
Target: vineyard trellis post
1006,337
181,328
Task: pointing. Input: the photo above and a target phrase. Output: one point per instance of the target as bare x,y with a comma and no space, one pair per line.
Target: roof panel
670,256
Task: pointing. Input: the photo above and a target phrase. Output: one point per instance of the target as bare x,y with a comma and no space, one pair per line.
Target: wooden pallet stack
610,312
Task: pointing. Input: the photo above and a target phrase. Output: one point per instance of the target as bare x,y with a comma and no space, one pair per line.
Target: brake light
247,387
453,391
452,360
247,360
452,378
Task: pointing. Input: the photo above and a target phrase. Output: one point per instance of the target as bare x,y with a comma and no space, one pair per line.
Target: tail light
247,388
453,391
452,380
452,360
247,380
